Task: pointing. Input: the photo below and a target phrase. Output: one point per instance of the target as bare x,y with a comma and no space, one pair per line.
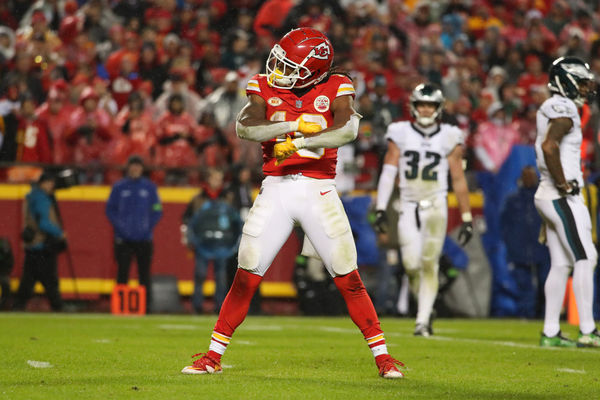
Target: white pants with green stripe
569,239
568,230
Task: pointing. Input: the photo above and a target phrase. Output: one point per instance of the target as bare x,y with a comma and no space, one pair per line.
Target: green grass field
94,356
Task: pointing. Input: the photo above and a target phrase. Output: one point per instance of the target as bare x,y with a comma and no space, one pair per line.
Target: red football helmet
301,58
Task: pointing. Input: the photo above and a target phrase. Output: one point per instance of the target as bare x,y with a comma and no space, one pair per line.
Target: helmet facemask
283,73
425,93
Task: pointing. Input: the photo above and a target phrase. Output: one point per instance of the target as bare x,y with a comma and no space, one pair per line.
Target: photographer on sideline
44,239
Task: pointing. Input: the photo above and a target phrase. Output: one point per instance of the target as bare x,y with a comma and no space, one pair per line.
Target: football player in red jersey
301,112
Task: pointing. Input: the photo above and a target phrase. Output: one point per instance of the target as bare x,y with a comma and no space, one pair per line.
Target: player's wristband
467,217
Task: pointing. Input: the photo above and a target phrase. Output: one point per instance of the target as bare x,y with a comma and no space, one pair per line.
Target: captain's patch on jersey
274,101
321,103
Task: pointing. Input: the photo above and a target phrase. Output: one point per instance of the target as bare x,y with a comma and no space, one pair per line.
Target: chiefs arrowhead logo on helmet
321,51
302,58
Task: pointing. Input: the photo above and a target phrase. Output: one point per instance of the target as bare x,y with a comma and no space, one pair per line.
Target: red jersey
32,138
313,106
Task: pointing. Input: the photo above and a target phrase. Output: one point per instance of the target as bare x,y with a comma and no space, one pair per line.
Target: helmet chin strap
427,121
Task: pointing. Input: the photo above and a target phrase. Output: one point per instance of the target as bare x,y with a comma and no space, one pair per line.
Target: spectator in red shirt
177,134
135,132
126,82
131,48
534,76
90,129
32,136
55,113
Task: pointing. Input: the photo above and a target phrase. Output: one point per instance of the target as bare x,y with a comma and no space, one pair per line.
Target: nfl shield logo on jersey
298,103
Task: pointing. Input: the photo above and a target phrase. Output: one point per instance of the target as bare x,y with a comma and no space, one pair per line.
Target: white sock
583,287
554,289
428,290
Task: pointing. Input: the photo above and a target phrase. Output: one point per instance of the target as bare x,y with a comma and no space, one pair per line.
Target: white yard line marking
263,327
338,330
464,340
39,364
571,371
245,342
102,341
498,343
177,327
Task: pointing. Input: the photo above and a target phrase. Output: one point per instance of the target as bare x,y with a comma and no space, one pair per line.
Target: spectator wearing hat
133,209
55,113
44,238
90,129
126,82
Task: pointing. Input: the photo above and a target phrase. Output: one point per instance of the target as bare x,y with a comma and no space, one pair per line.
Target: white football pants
421,232
569,240
294,199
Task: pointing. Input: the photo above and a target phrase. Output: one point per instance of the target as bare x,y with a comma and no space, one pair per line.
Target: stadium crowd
89,83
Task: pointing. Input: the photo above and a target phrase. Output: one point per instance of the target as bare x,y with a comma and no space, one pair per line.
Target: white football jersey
570,147
423,164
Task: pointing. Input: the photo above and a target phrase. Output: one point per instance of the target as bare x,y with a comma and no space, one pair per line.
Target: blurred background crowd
89,83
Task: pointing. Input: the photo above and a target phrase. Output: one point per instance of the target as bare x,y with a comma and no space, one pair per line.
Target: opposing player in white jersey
423,152
299,97
566,218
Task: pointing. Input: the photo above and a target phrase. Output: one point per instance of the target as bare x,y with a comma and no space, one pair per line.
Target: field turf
95,356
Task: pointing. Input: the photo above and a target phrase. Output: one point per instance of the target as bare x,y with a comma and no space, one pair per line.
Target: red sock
233,311
361,310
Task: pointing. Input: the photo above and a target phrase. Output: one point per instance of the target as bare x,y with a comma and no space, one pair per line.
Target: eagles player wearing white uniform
422,153
567,221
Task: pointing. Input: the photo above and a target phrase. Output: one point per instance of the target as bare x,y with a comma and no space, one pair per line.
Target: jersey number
316,118
428,174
